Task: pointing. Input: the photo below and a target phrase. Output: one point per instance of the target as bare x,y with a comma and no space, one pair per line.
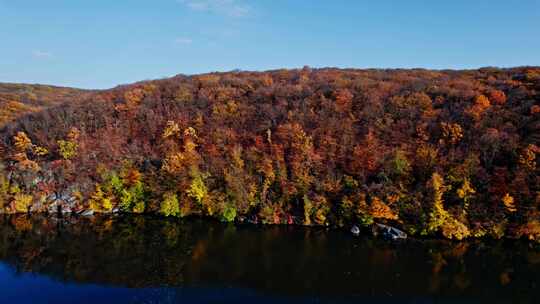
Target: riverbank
381,230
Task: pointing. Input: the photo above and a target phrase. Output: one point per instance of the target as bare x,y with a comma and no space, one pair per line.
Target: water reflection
159,260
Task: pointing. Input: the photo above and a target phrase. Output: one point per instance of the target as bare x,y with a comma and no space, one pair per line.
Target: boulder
355,230
86,213
388,232
66,209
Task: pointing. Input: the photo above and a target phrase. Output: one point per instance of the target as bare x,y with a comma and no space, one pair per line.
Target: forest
444,154
19,99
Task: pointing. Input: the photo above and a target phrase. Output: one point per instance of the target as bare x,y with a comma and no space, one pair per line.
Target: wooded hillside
438,153
19,99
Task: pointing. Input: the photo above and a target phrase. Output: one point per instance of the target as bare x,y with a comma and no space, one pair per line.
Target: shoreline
365,231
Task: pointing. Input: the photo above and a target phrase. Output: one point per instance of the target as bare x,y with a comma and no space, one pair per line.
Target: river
143,259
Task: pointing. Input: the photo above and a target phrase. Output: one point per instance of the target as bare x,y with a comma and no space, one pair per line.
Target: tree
466,192
508,202
197,190
21,142
68,148
343,99
366,155
452,133
497,97
170,205
438,218
100,201
480,105
380,210
527,158
437,214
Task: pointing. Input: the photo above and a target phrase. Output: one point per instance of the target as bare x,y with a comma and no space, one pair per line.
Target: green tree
197,189
170,205
229,213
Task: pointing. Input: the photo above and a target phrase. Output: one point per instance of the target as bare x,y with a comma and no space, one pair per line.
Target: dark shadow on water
137,259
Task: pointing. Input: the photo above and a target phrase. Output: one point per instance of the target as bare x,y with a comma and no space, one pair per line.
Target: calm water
152,260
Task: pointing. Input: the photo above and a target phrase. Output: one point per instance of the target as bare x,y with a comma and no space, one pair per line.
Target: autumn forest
449,154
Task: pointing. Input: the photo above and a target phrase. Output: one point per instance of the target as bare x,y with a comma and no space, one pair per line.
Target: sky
103,43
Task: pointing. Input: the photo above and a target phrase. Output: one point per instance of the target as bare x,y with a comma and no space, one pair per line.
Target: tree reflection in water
146,252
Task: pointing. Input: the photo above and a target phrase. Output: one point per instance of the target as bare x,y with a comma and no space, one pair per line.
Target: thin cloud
231,8
41,54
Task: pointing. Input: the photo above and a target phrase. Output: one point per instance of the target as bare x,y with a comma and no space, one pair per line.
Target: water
136,259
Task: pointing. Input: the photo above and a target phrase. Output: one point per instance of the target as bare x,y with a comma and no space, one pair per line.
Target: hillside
19,99
437,153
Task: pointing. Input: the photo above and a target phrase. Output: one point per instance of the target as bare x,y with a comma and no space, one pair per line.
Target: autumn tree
366,155
480,105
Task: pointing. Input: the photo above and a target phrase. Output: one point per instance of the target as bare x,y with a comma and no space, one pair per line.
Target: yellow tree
23,145
438,218
68,148
437,215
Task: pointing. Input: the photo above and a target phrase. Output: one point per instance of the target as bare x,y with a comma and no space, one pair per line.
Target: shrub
22,202
229,213
266,214
316,210
131,197
99,201
67,149
170,205
139,207
381,210
346,210
454,229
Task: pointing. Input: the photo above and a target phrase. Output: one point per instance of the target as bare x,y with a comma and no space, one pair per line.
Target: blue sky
103,43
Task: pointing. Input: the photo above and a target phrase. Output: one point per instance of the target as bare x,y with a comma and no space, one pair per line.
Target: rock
66,209
355,230
86,213
388,232
253,220
52,207
51,198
